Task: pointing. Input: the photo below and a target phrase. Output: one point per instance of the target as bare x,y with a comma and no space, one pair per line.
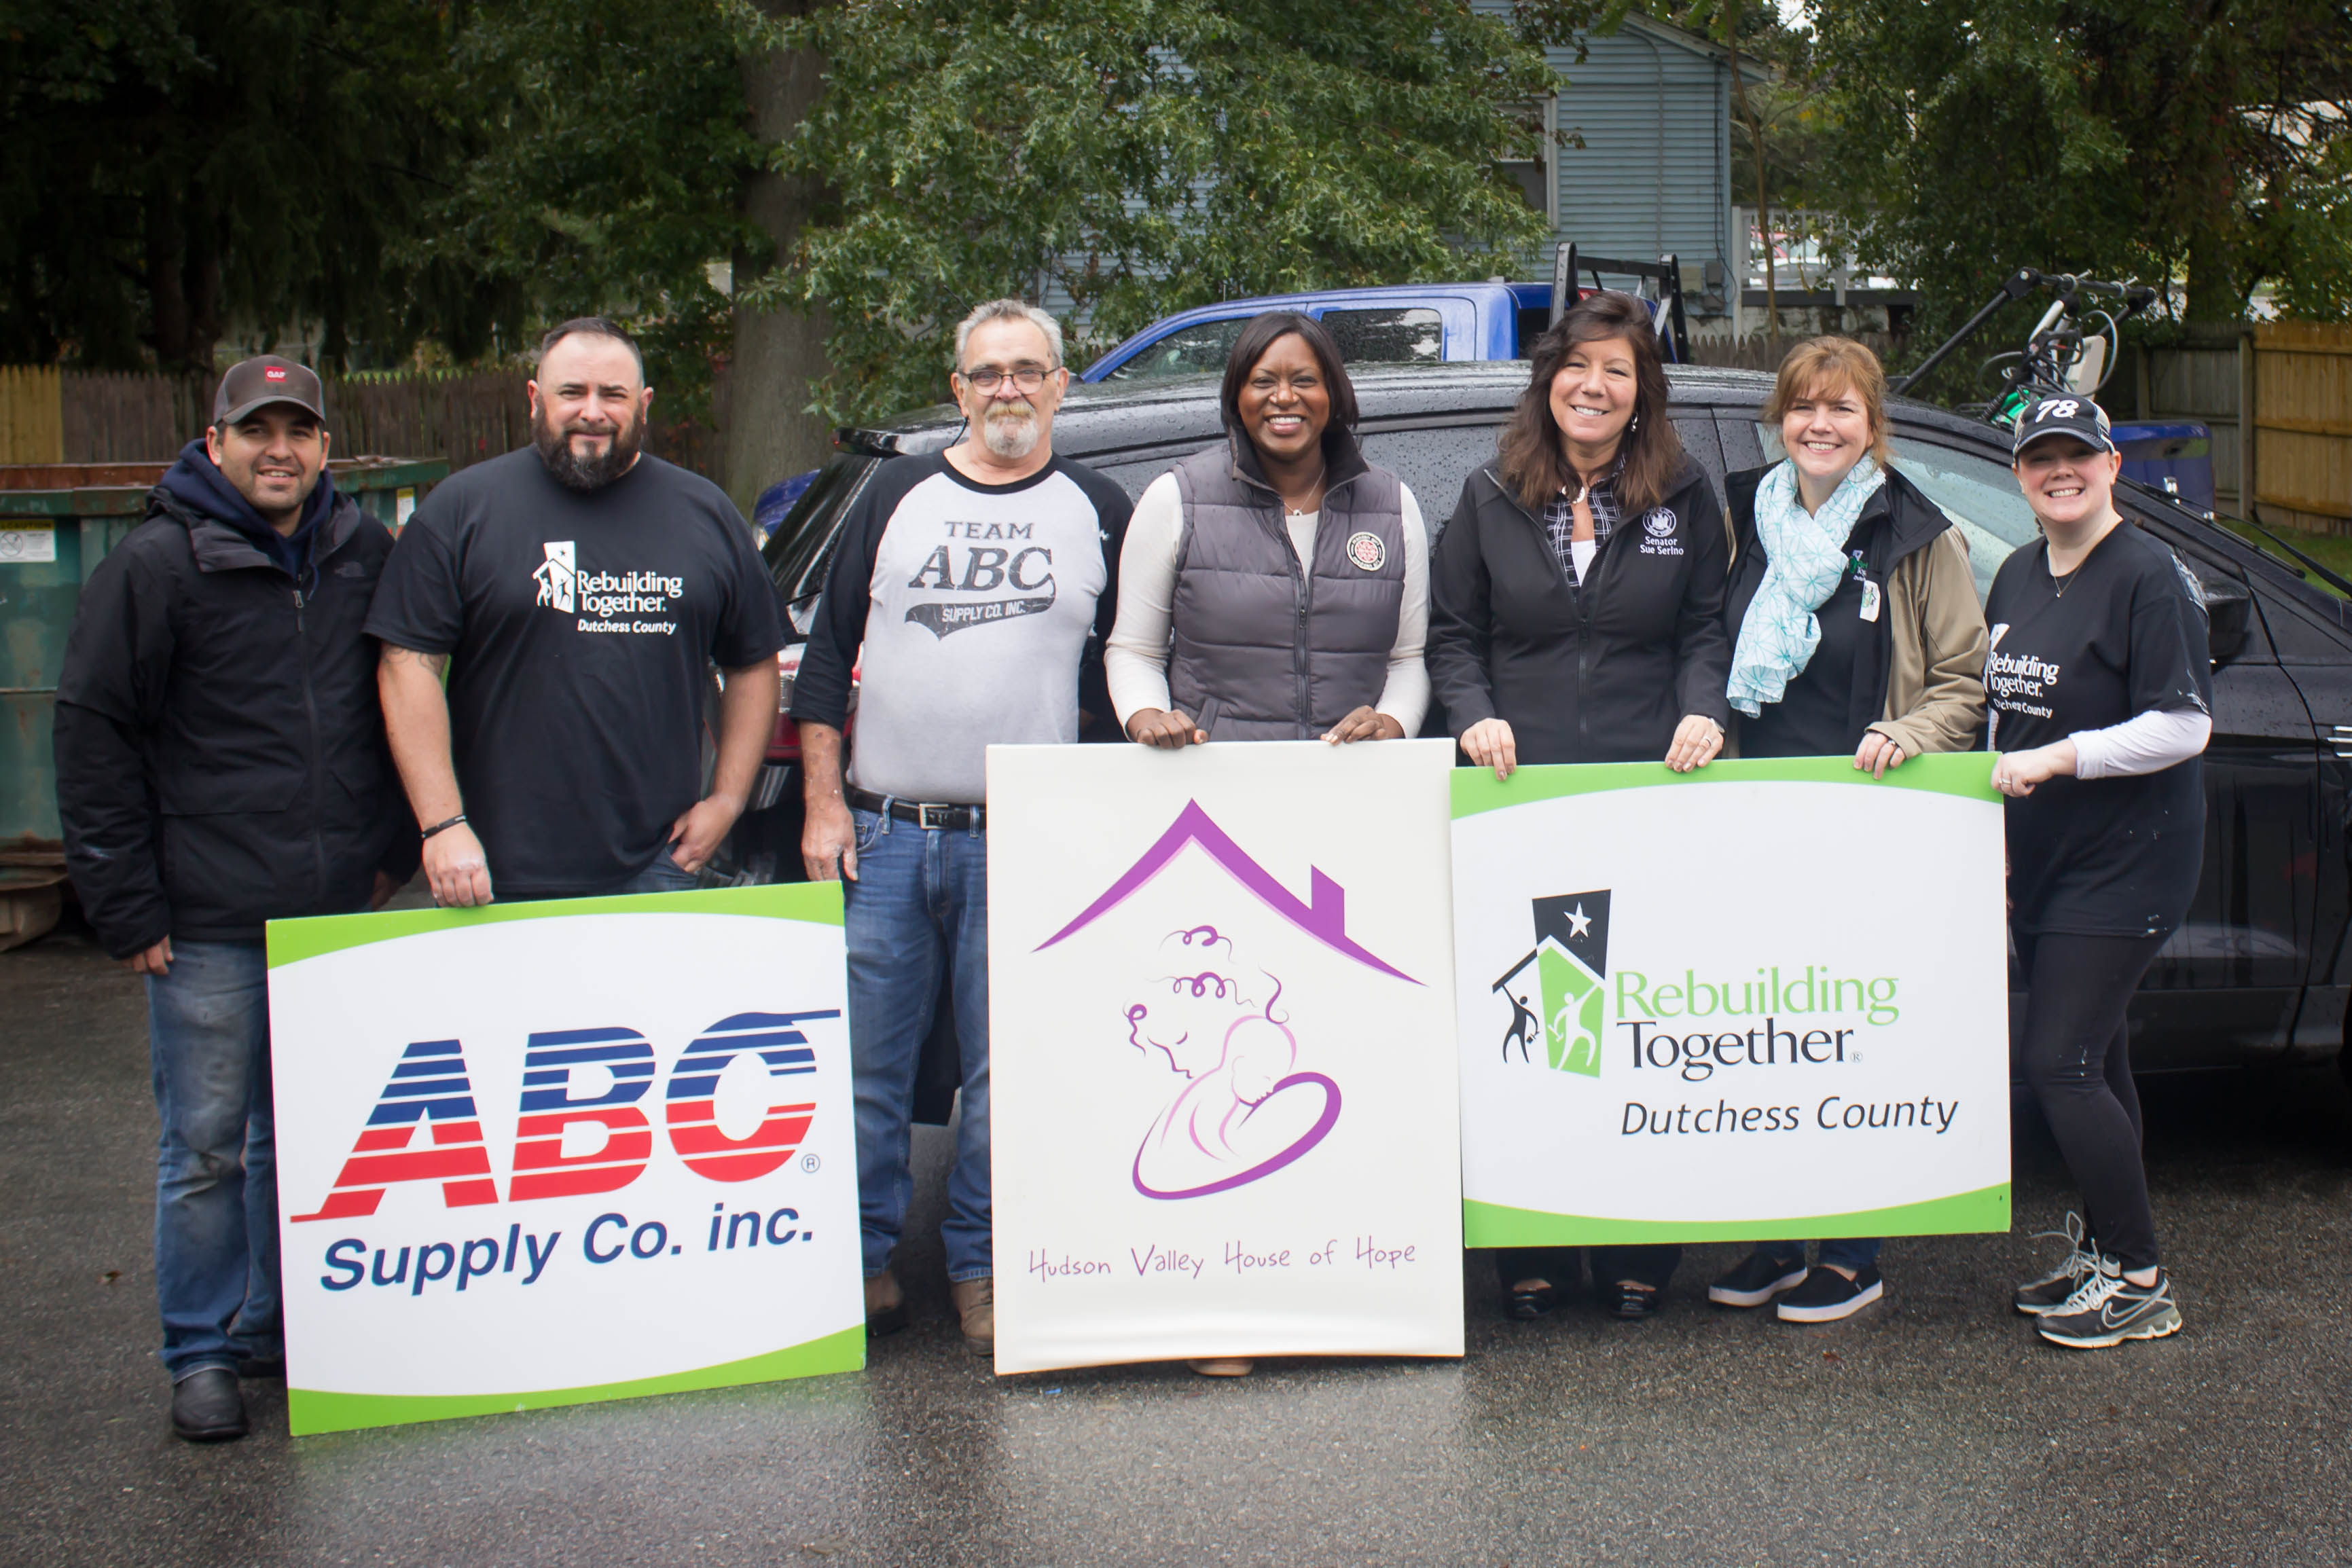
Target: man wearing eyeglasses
981,583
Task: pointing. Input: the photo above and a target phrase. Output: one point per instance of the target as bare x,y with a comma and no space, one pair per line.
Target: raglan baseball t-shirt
2122,635
981,610
581,628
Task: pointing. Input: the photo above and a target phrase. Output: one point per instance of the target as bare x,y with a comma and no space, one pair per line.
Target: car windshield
1188,351
1977,493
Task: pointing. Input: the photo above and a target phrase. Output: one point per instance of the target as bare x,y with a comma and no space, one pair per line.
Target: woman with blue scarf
1856,632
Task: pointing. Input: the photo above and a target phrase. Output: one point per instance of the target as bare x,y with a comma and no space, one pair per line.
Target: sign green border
1494,1225
310,1411
1968,774
291,941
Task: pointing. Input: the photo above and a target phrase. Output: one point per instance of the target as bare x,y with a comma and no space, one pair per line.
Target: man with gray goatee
981,583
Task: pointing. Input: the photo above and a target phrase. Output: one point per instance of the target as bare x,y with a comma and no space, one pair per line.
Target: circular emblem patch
1367,551
1660,523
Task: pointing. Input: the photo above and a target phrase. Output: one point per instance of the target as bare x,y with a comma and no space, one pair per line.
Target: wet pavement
1934,1428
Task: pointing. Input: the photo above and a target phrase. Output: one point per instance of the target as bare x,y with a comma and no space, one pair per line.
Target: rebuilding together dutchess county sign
1222,1067
539,1153
1767,1000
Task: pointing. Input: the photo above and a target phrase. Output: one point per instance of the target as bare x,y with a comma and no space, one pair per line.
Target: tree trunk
1763,202
778,354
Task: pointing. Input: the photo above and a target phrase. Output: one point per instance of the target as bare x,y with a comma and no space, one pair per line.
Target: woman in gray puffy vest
1275,587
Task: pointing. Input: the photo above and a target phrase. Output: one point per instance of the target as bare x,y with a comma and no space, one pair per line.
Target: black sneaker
2108,1309
1629,1298
2048,1293
1827,1295
207,1407
1756,1282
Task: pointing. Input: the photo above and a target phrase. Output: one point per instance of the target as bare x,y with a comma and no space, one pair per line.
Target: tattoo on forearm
433,664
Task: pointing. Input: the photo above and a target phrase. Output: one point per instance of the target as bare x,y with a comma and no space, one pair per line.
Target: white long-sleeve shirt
2146,743
1135,660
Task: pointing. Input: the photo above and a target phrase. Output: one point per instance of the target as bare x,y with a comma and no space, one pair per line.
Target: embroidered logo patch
1367,551
1659,523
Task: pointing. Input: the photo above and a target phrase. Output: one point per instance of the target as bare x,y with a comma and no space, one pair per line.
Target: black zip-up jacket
221,756
1600,672
1895,524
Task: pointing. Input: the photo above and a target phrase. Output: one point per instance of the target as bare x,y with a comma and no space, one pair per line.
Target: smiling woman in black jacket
1576,615
1576,598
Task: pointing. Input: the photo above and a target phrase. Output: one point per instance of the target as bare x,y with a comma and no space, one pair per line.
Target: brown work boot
886,1304
975,1303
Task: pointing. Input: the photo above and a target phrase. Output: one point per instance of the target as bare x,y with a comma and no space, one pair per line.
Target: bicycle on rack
2070,349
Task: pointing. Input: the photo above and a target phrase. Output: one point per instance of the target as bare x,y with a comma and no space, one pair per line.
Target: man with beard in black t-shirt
577,594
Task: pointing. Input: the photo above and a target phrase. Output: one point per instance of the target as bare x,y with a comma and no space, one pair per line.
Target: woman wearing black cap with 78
2099,681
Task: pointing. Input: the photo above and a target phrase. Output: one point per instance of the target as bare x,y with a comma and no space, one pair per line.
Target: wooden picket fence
31,429
49,415
2303,423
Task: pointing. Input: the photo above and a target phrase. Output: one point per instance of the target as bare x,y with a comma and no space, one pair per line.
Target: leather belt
924,814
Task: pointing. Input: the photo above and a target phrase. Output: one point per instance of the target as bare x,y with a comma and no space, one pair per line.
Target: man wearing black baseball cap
221,763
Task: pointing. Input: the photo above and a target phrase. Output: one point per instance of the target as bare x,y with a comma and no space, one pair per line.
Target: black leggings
2076,1054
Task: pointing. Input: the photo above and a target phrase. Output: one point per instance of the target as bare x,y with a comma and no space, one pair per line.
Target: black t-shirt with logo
2124,635
580,628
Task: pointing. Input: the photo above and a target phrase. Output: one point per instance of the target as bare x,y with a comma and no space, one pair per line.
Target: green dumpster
56,521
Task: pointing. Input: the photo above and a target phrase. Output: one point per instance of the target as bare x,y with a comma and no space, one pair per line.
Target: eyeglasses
1024,378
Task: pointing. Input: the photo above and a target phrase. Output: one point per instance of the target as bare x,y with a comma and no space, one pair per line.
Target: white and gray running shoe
2048,1293
2108,1309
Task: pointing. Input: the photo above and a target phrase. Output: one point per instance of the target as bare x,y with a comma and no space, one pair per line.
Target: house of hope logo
432,1087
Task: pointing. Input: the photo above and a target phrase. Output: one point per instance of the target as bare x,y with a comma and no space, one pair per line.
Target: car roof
1100,419
1109,416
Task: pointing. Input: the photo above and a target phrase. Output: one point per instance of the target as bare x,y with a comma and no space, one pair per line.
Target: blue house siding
1651,105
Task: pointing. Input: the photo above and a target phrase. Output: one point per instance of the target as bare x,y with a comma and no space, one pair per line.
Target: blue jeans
920,902
215,1168
665,875
1847,1252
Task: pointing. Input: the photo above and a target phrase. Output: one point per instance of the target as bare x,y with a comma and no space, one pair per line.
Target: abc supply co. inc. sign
1717,1007
540,1154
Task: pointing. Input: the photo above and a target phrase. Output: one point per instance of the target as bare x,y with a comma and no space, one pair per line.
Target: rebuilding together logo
612,601
1657,1026
431,1087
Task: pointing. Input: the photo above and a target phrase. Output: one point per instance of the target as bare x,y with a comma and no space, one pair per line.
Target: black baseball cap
257,382
2079,417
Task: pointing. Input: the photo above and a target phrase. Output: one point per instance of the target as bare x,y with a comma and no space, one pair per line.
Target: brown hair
1533,459
1823,367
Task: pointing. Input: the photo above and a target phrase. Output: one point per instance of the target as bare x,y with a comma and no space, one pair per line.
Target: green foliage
1144,155
176,167
2104,136
604,152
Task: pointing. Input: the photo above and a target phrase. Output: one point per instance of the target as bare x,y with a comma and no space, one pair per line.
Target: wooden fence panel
32,425
2302,423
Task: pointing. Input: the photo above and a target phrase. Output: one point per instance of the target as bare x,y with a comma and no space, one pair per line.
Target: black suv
2259,973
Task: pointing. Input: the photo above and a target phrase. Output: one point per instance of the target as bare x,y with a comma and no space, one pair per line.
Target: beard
575,472
1010,430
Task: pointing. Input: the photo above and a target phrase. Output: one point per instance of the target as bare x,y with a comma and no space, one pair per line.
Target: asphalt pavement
1934,1428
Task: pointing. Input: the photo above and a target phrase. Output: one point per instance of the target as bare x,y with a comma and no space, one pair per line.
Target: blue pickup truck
1401,324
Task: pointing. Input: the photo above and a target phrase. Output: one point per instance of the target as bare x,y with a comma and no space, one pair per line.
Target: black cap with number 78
2079,417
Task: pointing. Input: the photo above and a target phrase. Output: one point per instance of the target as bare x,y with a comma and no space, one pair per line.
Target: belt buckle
923,817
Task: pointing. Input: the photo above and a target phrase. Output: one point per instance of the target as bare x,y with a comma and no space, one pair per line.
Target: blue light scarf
1804,556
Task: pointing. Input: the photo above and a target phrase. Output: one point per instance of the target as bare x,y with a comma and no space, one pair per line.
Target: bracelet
439,827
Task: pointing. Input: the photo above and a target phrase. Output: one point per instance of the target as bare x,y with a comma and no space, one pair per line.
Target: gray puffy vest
1283,653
